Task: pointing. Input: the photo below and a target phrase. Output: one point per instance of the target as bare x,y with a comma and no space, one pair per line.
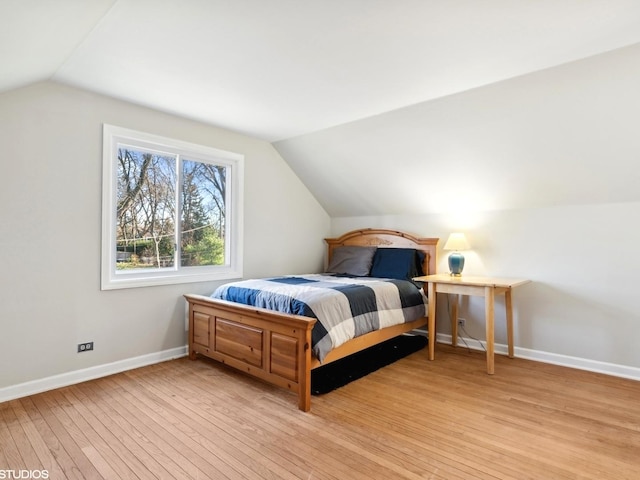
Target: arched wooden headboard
374,237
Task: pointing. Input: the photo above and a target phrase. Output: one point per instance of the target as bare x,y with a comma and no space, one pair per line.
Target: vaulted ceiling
287,71
276,69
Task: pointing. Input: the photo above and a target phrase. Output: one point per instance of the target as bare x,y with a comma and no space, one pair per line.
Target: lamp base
456,264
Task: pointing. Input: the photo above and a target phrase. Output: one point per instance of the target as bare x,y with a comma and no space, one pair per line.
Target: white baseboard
77,376
613,369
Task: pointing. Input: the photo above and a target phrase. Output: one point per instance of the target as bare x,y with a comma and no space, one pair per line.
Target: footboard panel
272,346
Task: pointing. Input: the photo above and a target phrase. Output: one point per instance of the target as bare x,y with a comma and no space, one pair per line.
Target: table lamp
456,242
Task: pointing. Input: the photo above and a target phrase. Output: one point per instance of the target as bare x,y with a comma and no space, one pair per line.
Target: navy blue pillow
398,263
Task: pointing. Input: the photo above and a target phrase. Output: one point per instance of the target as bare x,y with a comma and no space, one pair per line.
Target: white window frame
110,278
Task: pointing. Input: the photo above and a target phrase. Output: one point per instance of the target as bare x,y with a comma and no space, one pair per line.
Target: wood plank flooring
414,419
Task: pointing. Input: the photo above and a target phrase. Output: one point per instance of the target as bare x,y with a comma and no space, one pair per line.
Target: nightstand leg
489,302
454,320
431,324
509,311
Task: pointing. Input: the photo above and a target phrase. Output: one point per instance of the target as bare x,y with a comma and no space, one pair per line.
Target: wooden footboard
272,346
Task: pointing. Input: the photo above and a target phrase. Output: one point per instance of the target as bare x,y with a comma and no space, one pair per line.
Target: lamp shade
456,241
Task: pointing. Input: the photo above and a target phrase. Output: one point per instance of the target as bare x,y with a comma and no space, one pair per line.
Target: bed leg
304,401
304,392
304,374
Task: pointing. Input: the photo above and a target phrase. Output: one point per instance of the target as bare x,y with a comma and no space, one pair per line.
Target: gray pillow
352,260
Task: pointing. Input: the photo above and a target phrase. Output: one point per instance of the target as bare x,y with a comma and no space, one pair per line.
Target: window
171,211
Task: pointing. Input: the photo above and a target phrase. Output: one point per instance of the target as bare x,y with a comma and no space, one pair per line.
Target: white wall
541,171
50,203
583,299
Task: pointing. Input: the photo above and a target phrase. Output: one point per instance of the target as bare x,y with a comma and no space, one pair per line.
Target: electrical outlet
461,322
85,347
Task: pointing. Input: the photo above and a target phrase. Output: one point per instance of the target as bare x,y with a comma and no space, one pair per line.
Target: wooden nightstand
487,287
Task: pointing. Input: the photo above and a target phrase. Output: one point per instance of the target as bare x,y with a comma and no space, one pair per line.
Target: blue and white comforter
345,307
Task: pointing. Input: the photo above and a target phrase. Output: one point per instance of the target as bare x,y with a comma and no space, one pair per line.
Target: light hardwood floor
415,419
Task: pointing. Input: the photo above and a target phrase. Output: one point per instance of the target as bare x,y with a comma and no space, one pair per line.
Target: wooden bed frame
276,347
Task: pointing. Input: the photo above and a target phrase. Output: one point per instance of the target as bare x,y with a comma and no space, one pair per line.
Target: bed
276,346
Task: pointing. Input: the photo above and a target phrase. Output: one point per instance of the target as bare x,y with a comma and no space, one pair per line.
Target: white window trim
110,280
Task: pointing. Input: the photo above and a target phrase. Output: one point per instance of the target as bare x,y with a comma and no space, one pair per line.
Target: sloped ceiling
330,82
563,136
